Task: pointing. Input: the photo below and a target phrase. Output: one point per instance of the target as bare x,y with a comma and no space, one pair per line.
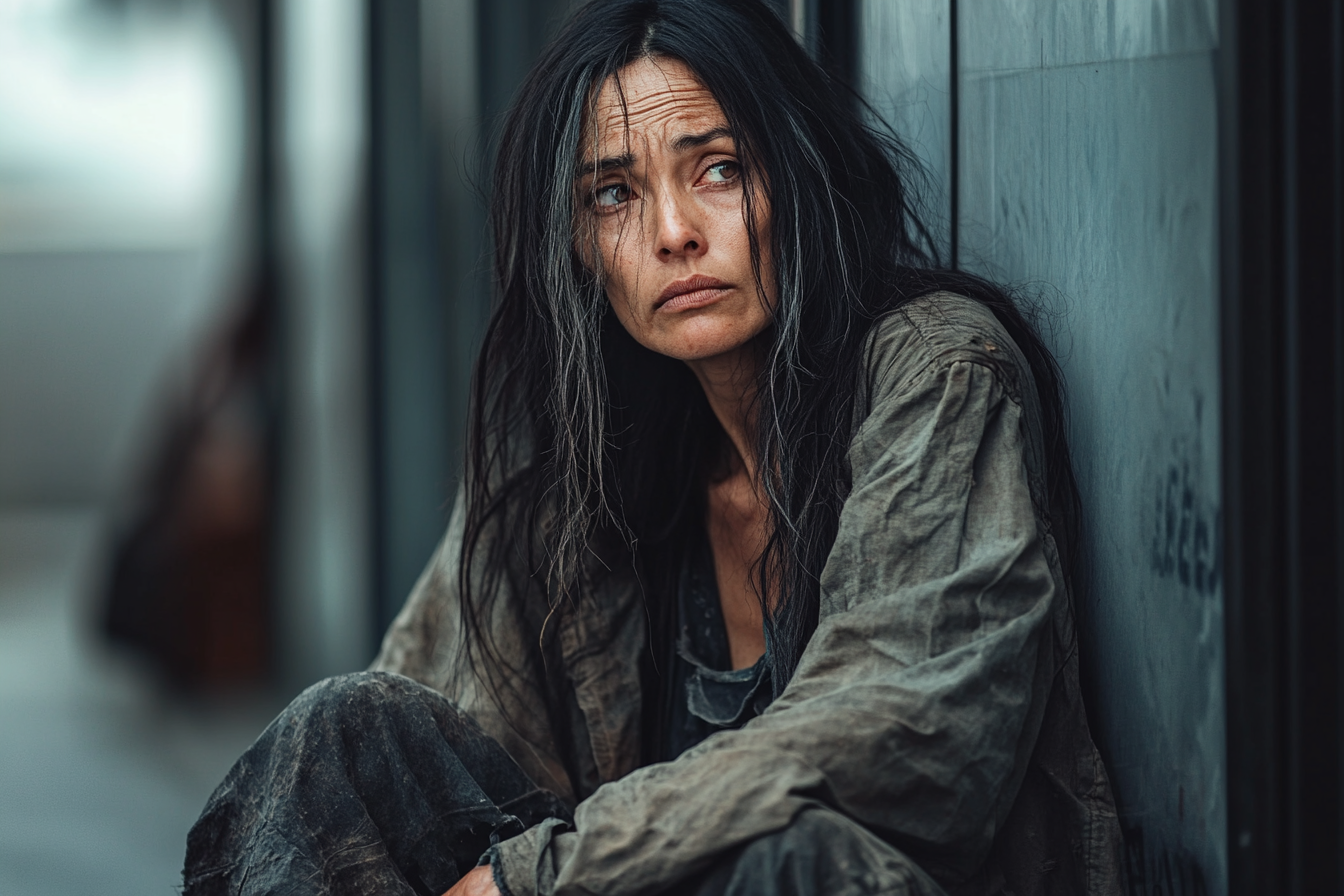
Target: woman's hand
479,881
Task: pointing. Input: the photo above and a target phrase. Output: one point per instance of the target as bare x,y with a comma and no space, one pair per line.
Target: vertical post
1315,304
954,137
320,194
798,16
411,463
834,41
375,161
263,154
453,72
1283,374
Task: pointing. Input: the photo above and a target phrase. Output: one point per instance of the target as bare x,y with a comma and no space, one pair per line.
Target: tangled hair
581,439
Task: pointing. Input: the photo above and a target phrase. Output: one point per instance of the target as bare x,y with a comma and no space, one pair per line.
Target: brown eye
612,195
722,172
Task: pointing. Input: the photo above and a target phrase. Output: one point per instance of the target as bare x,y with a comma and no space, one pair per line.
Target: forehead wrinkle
657,109
640,112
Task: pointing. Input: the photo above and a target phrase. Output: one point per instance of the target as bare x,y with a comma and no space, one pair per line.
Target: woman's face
662,191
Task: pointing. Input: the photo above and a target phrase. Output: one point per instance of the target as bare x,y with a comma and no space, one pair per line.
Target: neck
729,381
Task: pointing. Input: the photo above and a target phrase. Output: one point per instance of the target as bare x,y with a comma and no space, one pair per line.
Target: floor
101,772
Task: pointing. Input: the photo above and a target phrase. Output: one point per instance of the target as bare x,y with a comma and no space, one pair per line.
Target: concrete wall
1085,171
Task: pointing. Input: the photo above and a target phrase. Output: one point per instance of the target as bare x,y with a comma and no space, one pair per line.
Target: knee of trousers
363,698
824,851
357,688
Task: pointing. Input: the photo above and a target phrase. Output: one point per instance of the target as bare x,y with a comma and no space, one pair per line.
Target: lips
691,292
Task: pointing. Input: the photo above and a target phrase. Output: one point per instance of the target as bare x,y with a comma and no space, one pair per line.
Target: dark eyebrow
611,163
691,141
681,143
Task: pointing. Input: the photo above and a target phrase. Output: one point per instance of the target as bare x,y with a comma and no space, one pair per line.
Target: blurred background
242,277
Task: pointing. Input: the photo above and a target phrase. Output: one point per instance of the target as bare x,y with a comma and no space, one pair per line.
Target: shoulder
920,340
943,365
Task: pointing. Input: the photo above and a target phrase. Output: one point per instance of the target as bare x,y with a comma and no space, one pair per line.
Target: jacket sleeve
916,704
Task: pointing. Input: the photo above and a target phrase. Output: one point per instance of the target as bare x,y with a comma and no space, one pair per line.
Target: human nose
679,233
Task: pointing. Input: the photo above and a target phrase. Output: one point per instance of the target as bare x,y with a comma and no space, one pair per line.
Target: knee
348,687
369,699
354,695
810,832
822,851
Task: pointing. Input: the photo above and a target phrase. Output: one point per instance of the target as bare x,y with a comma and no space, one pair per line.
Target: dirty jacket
936,704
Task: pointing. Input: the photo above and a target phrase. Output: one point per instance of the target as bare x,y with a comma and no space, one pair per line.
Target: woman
757,583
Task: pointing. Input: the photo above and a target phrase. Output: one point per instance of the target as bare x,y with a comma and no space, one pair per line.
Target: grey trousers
373,785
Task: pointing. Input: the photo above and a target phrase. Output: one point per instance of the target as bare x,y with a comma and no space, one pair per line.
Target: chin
705,349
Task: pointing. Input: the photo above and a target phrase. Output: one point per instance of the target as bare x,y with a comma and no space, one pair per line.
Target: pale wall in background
120,164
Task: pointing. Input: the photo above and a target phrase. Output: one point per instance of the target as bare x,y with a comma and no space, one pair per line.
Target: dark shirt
707,694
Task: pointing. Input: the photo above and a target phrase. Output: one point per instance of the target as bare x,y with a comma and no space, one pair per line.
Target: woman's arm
916,703
479,881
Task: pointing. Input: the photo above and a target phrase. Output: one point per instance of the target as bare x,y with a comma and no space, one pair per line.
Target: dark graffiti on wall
1186,542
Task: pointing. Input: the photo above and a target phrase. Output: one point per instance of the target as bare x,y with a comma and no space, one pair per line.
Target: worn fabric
820,853
936,706
366,784
374,784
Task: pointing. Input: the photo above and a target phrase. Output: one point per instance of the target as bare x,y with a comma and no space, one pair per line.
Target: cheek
598,249
621,308
619,296
622,268
610,237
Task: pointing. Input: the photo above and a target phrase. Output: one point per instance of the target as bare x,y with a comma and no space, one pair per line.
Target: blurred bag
189,583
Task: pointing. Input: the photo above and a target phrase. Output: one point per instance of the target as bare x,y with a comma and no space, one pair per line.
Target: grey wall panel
1055,33
903,72
1095,186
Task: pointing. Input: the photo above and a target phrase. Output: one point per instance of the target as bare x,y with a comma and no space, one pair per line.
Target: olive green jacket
936,705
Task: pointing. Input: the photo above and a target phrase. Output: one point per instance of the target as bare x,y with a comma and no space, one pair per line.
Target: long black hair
580,438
